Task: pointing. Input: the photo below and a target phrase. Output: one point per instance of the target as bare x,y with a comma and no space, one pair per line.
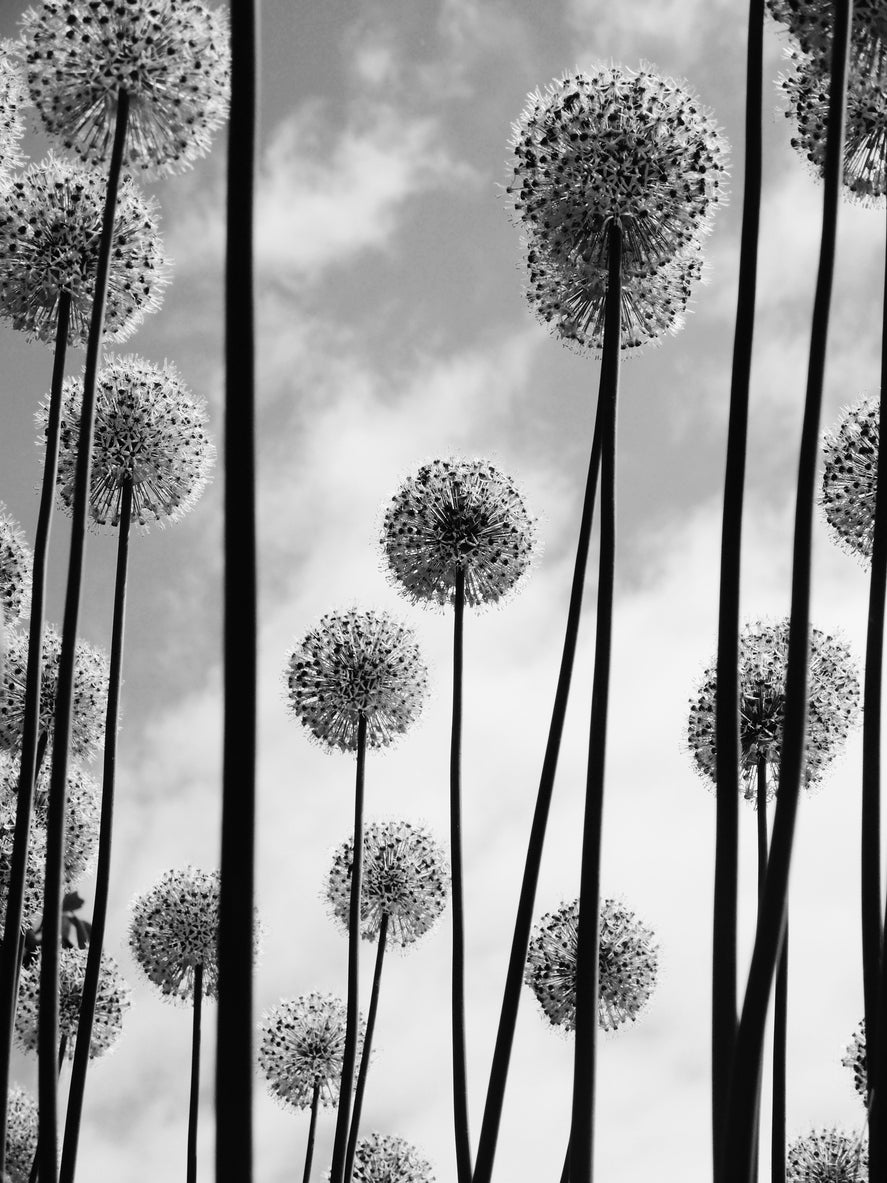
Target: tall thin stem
103,870
780,1034
363,1071
33,740
761,819
35,1165
349,1054
745,1078
588,950
55,821
312,1127
194,1099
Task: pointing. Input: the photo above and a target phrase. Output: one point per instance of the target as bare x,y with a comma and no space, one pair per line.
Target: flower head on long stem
174,927
301,1045
385,1158
850,477
112,1002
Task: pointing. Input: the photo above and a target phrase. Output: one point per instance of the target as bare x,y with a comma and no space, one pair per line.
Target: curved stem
367,1048
33,739
588,951
780,1033
748,1057
312,1126
349,1055
194,1100
103,870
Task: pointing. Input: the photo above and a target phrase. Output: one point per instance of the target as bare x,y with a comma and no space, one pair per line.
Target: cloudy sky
392,329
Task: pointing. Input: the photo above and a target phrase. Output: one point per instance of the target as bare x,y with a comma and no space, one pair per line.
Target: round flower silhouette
16,562
301,1045
112,1001
384,1158
850,477
21,1134
827,1156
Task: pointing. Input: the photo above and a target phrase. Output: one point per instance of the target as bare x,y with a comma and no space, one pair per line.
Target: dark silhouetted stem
761,819
363,1071
588,943
349,1054
565,1172
312,1127
35,1165
745,1078
103,870
780,1031
194,1101
33,739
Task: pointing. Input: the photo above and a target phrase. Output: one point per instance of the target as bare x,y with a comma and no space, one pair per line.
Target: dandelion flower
21,1134
384,1158
850,477
833,705
301,1045
629,964
13,99
854,1058
50,226
827,1156
150,433
32,901
16,561
172,58
405,878
112,1002
352,665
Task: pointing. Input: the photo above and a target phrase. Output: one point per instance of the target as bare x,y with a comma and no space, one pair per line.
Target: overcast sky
392,329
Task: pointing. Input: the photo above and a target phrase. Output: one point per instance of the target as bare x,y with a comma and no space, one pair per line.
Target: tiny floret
384,1158
112,1001
850,478
301,1044
827,1156
16,561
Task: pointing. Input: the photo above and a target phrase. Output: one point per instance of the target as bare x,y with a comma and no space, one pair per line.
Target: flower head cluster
150,434
404,877
174,928
16,562
832,707
89,696
384,1158
629,964
355,665
32,903
855,1059
811,24
21,1134
112,1001
850,477
50,226
827,1156
301,1044
171,57
82,817
13,99
457,515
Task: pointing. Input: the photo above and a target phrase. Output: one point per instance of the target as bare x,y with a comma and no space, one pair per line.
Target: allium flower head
610,146
452,515
21,1134
150,432
174,928
172,57
854,1058
832,707
89,696
301,1043
16,561
811,23
384,1158
32,905
112,1002
850,477
405,878
355,664
13,100
629,964
50,225
827,1156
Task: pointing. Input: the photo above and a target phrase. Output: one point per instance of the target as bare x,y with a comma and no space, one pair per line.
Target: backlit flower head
827,1156
614,145
150,432
172,57
13,100
384,1158
811,23
355,664
50,225
850,477
854,1058
457,514
302,1042
832,708
16,561
174,927
32,905
629,963
405,876
89,698
112,1001
21,1134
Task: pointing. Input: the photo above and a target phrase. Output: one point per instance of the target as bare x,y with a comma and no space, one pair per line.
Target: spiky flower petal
355,664
50,226
827,1156
629,964
855,1059
850,477
32,904
832,708
405,878
21,1134
16,561
13,100
301,1043
385,1158
172,57
112,1001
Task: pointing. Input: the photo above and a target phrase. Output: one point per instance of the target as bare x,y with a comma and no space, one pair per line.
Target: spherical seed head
404,877
174,928
832,707
629,964
611,146
50,226
16,561
112,1001
21,1134
827,1156
32,903
13,100
172,57
89,698
385,1158
352,665
302,1042
854,1058
458,515
850,478
150,433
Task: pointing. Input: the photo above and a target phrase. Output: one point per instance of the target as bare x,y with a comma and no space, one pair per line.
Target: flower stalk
363,1071
194,1098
